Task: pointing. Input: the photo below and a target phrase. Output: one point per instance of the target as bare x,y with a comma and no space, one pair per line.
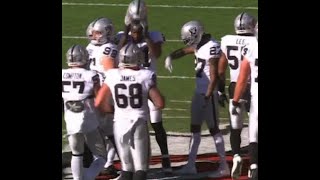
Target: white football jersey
209,50
90,48
130,91
97,52
150,61
77,85
232,46
252,55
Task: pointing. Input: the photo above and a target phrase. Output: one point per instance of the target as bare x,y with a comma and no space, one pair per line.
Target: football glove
168,64
222,98
235,108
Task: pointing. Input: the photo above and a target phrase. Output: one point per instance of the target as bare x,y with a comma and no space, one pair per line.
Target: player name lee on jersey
240,41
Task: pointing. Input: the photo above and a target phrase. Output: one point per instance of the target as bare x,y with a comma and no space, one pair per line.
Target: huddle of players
136,97
123,73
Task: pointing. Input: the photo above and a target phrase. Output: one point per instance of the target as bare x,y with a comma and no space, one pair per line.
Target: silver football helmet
137,11
130,55
191,33
77,55
244,23
105,26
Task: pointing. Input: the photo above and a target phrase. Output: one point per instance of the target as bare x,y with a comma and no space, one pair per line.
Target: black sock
161,137
235,140
87,156
253,153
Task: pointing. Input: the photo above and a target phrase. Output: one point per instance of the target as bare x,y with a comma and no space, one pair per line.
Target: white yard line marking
185,117
175,77
175,117
159,6
74,37
180,101
84,37
180,77
174,109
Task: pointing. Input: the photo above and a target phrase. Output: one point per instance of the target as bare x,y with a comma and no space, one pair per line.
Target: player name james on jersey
127,78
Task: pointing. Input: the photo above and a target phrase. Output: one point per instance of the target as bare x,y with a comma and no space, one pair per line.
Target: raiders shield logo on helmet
193,30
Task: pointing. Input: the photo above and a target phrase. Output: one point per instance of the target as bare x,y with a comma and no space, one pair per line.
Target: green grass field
216,15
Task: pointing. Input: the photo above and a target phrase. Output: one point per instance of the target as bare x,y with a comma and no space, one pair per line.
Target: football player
103,56
232,47
249,68
204,101
79,87
131,86
151,45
